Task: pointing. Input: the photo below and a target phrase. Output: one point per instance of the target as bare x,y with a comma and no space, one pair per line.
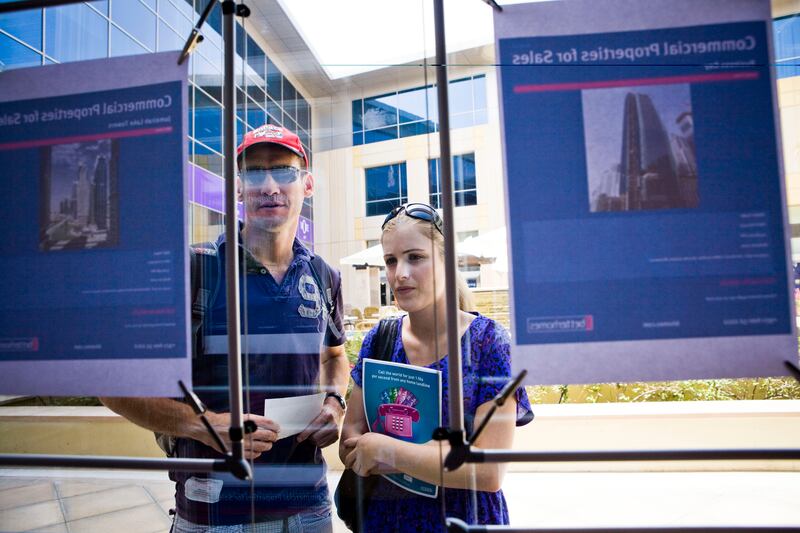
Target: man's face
272,199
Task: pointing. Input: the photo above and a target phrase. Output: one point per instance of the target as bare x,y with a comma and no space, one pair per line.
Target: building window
415,111
464,185
386,188
786,32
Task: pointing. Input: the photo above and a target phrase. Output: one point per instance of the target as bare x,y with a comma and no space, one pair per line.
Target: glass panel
100,5
256,93
479,92
305,139
416,128
175,17
385,182
168,39
358,115
256,59
380,135
241,127
303,114
190,100
123,45
256,116
358,138
241,104
433,175
75,32
274,81
151,4
466,198
462,120
208,121
380,111
25,26
464,171
289,98
214,20
16,55
460,96
208,159
417,104
382,207
136,19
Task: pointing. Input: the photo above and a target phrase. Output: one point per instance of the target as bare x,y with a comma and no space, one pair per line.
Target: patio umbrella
372,256
488,247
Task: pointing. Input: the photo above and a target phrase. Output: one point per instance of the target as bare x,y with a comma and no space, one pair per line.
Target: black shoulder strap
388,329
205,278
325,284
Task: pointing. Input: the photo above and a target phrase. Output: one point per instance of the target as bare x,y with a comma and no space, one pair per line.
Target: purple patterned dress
486,369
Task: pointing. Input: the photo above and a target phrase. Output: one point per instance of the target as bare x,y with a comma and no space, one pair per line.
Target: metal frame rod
455,525
510,456
232,232
22,5
125,463
454,376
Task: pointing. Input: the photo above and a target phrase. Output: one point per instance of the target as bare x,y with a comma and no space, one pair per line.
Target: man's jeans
316,520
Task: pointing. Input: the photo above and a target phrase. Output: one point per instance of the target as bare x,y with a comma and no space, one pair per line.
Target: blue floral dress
486,369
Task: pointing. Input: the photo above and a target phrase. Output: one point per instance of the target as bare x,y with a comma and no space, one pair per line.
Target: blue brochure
645,203
404,402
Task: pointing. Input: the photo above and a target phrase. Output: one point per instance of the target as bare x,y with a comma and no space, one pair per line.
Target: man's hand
255,443
324,429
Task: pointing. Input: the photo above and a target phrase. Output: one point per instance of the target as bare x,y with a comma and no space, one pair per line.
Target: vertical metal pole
456,380
232,232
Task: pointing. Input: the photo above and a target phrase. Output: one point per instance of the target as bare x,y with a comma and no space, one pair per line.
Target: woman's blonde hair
465,299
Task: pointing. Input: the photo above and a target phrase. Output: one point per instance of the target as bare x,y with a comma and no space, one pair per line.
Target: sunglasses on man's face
282,175
418,211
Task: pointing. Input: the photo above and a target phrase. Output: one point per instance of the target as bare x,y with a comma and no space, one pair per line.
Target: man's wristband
339,398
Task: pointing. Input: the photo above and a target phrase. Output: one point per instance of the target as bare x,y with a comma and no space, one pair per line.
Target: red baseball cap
270,133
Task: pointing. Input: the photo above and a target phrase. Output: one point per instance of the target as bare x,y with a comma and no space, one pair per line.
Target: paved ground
88,501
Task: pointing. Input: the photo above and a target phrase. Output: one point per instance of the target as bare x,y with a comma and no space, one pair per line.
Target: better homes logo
560,324
30,344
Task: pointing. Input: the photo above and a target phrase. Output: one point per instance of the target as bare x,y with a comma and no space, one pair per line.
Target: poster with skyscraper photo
94,274
645,197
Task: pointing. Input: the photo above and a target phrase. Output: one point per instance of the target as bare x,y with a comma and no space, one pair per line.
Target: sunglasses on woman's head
418,211
282,174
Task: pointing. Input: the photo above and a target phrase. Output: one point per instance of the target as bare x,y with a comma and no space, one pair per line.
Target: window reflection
16,55
75,32
415,111
123,45
136,19
386,188
464,182
25,26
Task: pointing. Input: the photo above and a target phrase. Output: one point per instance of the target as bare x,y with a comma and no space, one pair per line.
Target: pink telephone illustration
399,419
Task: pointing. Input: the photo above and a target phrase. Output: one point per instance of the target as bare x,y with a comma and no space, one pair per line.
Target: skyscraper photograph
640,148
78,192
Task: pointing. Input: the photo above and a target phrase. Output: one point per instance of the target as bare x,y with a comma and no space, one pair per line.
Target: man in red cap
293,345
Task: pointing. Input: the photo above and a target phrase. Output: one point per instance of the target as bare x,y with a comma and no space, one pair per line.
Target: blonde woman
413,247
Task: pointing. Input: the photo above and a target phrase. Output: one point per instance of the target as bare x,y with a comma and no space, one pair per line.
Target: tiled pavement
89,501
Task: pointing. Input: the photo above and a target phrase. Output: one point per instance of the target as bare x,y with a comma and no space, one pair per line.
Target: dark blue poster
645,203
93,285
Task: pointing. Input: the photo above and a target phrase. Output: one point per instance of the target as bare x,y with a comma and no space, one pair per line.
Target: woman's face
414,268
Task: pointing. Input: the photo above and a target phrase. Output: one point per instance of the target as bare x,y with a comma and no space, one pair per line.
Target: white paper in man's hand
293,414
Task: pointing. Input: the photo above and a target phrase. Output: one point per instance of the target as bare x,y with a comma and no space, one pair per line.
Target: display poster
93,259
403,402
645,198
